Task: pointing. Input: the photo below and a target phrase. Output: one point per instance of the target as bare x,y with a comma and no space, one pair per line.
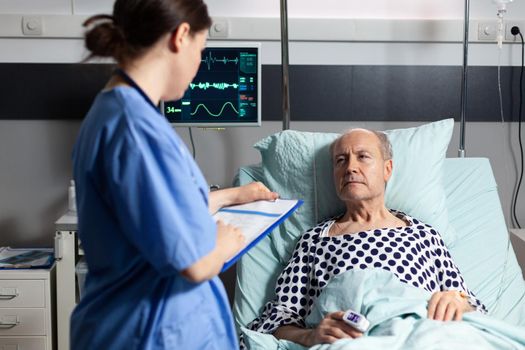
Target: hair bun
105,38
137,25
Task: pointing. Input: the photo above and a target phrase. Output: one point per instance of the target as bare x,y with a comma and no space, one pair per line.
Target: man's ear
389,167
179,37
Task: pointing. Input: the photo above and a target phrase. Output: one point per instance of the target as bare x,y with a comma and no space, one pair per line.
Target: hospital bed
457,195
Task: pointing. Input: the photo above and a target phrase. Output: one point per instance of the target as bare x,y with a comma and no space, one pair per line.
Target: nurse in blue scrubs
153,250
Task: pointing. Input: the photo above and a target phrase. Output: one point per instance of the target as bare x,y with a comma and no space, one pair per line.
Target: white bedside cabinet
27,301
517,237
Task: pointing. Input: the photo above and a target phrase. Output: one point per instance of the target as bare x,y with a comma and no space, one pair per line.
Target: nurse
152,248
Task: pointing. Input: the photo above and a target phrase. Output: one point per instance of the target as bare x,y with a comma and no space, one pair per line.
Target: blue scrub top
143,218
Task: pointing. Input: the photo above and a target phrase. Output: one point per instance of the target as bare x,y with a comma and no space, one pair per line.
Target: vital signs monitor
225,92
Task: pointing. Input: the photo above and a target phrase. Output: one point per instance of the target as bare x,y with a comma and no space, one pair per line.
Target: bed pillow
298,165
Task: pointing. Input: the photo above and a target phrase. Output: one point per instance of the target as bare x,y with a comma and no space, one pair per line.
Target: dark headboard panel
318,92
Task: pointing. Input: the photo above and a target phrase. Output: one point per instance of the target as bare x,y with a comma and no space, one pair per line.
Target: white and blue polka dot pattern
415,254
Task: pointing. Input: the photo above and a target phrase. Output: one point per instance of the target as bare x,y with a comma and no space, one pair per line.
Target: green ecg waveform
209,60
212,114
218,86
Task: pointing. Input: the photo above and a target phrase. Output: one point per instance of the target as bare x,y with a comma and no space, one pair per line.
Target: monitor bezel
255,45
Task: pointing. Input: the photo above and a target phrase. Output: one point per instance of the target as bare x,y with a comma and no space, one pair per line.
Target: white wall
36,6
92,6
402,9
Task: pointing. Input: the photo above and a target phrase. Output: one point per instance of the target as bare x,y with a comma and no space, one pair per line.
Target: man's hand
447,306
330,329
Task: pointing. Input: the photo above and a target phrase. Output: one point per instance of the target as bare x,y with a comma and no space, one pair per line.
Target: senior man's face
360,172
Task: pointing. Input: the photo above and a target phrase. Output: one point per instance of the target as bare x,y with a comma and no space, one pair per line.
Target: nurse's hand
254,191
240,195
230,240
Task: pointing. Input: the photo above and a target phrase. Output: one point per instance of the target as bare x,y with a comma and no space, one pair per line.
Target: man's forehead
358,138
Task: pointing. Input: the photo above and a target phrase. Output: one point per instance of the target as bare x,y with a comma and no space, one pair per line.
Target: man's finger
450,311
337,315
432,303
328,339
459,315
440,310
337,333
354,333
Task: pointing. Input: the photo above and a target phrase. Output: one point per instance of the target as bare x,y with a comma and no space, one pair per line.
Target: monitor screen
225,92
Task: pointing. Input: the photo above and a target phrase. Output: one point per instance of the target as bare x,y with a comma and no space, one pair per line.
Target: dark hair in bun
105,39
137,25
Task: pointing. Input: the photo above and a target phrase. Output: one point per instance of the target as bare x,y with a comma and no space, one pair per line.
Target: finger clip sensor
356,320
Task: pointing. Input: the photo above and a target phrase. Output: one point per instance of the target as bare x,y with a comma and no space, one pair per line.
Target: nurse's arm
230,240
239,195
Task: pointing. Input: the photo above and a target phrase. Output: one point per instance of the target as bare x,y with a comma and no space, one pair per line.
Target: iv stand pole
461,152
285,64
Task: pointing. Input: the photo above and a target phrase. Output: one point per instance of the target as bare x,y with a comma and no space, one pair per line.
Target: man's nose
351,166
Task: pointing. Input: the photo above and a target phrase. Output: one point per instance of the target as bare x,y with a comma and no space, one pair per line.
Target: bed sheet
483,251
398,319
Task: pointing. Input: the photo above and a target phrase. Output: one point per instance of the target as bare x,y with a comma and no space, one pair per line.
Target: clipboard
256,220
26,258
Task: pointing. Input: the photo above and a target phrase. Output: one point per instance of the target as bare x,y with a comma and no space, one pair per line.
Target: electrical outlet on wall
220,29
508,27
487,30
32,25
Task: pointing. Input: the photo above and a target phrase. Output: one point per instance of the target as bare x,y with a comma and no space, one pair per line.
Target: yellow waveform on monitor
213,114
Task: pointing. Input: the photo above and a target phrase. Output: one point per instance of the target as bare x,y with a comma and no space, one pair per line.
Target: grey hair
384,143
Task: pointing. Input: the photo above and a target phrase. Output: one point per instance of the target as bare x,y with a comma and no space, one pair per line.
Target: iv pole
461,152
285,64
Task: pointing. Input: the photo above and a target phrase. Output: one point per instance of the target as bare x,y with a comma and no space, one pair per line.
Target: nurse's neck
144,78
150,72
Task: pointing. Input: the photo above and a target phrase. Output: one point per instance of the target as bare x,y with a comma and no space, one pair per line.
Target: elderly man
367,235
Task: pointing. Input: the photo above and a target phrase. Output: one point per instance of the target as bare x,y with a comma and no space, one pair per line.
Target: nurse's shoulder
138,122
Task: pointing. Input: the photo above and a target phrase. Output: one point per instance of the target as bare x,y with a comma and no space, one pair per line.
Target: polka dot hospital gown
415,254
